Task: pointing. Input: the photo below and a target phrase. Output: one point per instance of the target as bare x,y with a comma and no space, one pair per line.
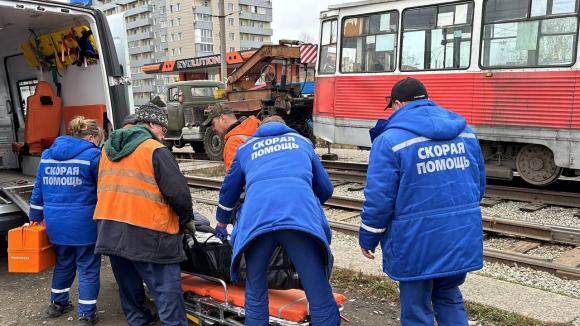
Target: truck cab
187,105
57,61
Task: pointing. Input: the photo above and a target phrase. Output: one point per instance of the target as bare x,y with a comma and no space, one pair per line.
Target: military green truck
187,102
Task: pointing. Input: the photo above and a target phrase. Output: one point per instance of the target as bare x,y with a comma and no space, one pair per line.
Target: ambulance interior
50,71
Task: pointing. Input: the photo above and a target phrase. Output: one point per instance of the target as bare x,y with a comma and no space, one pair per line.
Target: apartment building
147,41
193,26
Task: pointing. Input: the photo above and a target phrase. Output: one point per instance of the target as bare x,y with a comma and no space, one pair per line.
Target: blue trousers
69,260
426,300
306,255
163,282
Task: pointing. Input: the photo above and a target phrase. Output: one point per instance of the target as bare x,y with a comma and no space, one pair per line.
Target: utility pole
222,17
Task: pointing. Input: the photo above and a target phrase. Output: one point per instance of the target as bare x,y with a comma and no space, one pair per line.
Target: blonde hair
81,127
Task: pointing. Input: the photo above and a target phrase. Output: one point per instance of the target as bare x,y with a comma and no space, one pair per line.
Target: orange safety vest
128,193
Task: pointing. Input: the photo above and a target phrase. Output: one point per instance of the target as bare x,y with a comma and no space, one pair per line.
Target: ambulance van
57,61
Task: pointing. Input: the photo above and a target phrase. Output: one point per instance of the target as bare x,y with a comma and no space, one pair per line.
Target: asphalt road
25,297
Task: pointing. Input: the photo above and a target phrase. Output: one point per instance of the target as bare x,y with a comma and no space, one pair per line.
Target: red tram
510,67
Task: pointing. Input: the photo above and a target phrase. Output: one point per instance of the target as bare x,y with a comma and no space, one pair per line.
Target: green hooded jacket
123,142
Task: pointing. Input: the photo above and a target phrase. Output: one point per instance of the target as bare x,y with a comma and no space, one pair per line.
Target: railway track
545,233
356,173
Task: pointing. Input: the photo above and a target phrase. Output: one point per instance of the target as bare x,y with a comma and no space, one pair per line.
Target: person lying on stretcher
286,185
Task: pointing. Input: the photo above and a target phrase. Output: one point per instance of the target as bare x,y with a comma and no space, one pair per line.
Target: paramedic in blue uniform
64,197
285,188
425,179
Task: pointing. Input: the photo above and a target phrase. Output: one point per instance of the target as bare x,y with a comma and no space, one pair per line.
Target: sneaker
57,309
88,320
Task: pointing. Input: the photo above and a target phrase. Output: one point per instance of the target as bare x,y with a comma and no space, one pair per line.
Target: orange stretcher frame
287,305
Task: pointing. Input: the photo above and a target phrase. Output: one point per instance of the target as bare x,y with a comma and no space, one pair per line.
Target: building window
173,52
162,24
231,21
178,21
523,34
232,49
205,3
203,17
203,35
170,8
437,37
230,7
232,36
200,47
369,42
164,38
179,36
177,7
179,51
171,23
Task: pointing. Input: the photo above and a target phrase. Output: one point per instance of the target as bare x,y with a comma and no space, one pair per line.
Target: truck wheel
198,147
168,144
214,145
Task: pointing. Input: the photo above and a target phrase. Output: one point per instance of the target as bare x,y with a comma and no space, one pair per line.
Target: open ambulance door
119,33
117,70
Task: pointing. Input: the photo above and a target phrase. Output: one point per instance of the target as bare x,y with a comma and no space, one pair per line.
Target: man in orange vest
234,132
143,206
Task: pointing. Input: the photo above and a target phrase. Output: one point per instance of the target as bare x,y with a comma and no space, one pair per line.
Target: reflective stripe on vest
128,192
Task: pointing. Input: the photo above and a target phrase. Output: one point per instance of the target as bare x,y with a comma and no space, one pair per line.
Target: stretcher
212,301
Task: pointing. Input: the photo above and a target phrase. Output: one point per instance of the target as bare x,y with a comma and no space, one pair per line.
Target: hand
367,253
221,232
189,228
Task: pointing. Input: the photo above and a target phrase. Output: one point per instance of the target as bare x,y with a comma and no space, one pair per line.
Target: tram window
437,37
538,39
328,47
369,43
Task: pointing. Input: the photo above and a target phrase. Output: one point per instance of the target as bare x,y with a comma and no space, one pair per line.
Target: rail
534,231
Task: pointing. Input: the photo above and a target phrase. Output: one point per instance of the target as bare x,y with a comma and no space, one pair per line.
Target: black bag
214,259
211,259
281,274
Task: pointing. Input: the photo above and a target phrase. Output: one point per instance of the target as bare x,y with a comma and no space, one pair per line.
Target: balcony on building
140,23
142,49
140,36
138,10
259,17
202,10
259,3
256,30
201,24
251,44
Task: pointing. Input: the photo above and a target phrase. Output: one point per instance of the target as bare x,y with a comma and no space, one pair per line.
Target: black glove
189,228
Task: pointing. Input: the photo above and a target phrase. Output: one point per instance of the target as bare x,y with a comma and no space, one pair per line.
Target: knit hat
149,112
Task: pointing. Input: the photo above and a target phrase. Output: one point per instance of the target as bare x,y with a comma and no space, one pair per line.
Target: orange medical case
29,250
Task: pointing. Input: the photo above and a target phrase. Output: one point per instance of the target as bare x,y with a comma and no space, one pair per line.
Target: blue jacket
65,191
425,179
285,187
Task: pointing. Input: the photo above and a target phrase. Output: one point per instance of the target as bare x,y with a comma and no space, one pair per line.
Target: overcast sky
294,17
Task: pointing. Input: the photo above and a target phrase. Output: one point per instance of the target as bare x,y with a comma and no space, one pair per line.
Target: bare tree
306,37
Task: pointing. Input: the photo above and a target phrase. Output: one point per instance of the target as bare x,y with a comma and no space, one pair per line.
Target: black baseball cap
405,90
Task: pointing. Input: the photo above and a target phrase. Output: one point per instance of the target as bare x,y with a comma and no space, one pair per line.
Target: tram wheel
536,165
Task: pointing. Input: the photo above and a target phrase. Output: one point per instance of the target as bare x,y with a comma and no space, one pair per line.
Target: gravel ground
353,155
552,215
344,191
532,278
515,274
